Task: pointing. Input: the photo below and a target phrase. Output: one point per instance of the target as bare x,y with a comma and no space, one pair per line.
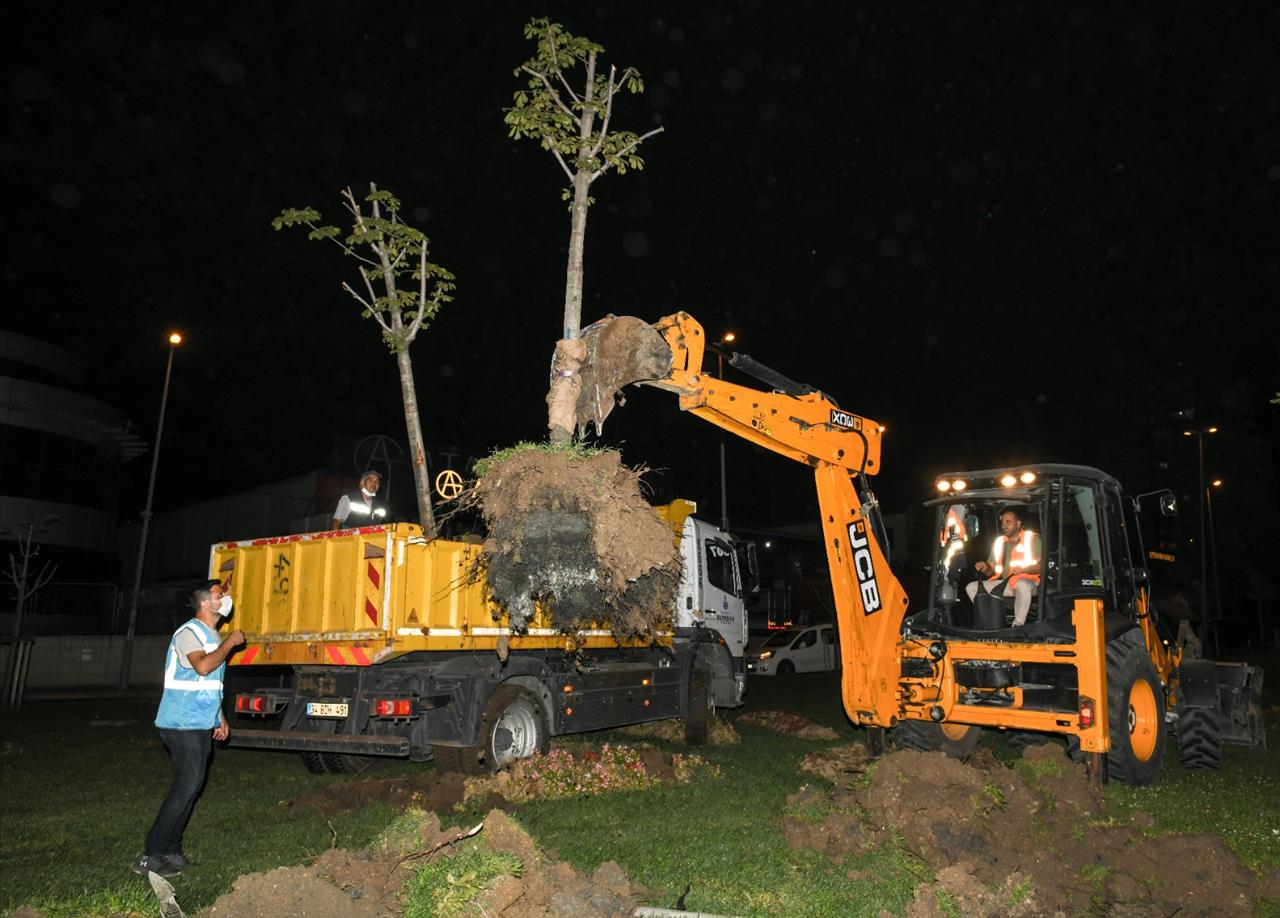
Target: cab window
808,639
1079,548
719,561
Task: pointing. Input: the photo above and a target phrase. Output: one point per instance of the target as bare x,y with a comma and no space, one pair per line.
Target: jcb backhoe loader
1091,663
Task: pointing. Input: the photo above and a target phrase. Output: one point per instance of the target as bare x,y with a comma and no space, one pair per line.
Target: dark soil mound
1030,840
572,533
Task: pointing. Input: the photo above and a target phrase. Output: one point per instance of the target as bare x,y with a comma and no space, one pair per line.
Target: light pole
726,338
1213,553
1204,557
174,340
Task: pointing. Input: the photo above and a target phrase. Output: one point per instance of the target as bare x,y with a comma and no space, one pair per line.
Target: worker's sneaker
148,863
179,860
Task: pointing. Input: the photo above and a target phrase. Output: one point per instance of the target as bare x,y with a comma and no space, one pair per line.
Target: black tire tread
1125,655
925,736
1199,738
697,721
314,762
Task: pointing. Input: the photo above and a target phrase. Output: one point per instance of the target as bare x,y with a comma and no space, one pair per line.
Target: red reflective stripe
335,654
374,576
361,658
371,610
249,655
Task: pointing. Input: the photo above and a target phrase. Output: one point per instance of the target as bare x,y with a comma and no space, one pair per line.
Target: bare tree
571,115
400,289
26,582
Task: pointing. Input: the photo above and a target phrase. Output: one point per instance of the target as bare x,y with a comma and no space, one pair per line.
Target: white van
795,650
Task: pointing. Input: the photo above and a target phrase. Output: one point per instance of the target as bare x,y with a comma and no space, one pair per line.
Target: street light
1213,553
727,338
1204,558
174,340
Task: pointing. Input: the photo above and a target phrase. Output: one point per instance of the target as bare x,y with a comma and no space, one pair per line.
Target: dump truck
1093,663
392,647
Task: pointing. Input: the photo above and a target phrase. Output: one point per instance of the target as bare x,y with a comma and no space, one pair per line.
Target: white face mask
224,608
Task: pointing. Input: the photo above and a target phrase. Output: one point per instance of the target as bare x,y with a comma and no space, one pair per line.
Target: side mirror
1168,505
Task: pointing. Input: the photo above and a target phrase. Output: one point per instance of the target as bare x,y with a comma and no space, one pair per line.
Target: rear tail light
1086,713
254,704
393,707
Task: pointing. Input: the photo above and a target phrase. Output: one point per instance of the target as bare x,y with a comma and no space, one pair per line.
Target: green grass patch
448,886
78,799
574,449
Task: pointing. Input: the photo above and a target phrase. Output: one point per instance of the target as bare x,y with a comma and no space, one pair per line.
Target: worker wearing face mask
361,507
190,718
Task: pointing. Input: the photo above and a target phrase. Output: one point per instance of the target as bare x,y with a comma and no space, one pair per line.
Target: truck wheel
1135,712
342,764
956,740
786,668
465,760
1199,740
702,708
514,727
314,762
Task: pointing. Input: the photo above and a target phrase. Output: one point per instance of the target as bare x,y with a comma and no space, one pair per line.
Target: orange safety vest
1016,555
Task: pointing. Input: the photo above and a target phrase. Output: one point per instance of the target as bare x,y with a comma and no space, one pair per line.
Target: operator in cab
361,507
1014,563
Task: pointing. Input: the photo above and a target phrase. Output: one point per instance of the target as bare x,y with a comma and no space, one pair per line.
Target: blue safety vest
191,701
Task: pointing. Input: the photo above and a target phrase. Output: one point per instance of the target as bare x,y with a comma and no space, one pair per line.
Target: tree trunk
562,396
421,477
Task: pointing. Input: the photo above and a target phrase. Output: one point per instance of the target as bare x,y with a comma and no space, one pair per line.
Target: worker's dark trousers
189,750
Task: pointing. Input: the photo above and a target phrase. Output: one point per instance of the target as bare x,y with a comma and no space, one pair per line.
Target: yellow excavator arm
843,449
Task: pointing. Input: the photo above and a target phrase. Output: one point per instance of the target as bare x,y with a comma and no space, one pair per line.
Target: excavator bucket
620,350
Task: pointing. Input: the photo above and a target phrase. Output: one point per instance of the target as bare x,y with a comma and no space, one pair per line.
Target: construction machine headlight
958,485
944,486
1008,480
1027,477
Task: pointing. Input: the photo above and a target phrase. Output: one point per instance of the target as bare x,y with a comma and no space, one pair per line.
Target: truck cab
718,574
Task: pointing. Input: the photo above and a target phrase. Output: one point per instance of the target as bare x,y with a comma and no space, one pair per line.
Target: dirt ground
575,534
789,723
369,883
1026,840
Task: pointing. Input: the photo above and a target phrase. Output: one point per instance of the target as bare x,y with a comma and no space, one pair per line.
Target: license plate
326,709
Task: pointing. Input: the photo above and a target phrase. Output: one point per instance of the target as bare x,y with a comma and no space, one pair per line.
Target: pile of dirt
672,731
571,531
343,884
1035,833
438,791
789,723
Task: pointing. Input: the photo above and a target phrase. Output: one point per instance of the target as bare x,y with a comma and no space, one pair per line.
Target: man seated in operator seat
1014,562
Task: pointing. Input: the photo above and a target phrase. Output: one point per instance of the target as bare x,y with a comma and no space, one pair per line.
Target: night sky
1007,231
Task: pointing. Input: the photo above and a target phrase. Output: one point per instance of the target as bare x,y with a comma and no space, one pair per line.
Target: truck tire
462,759
514,727
702,708
1199,739
1135,712
956,740
786,668
314,762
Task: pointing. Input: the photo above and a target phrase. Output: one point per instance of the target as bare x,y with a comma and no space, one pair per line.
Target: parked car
795,650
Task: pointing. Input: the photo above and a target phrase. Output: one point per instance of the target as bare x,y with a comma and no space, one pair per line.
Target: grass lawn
76,800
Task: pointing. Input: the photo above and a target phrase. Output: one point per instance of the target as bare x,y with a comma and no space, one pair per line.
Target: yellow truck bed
356,597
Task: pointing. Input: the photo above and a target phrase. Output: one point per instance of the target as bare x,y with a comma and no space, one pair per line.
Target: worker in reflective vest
190,718
360,507
1014,565
954,535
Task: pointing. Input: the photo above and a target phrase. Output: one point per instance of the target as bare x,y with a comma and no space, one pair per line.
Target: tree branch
608,113
563,164
555,95
625,150
422,299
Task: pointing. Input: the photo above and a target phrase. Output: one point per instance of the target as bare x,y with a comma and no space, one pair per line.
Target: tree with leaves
571,114
400,289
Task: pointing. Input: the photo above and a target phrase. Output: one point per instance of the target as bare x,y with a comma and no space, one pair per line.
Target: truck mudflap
313,742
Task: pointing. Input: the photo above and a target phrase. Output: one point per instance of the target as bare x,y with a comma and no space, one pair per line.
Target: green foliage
569,113
574,448
402,289
448,885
